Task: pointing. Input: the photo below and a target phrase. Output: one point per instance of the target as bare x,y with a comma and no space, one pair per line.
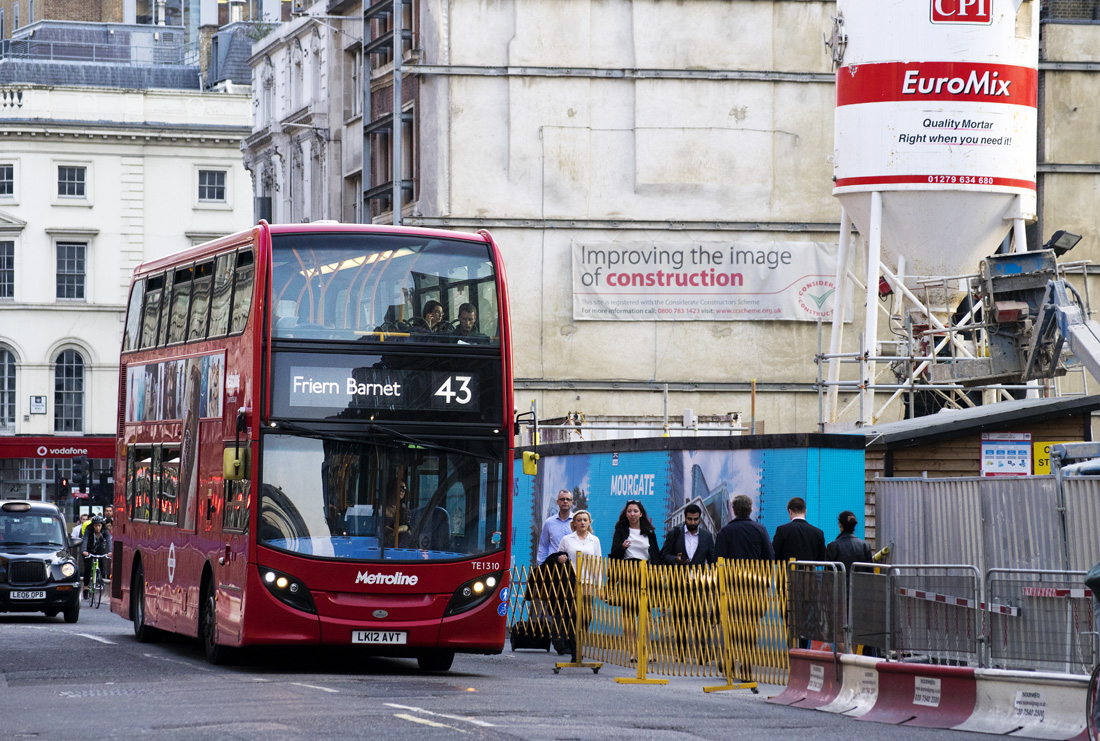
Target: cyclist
97,542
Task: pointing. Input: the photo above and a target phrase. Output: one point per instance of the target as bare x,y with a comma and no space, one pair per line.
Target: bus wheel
142,631
216,653
435,661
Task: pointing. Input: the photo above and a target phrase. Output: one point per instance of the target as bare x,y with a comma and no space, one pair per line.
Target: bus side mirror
530,467
235,464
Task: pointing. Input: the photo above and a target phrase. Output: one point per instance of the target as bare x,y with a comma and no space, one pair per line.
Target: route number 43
460,396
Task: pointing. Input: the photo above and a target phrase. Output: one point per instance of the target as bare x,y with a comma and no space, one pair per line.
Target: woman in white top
582,540
635,539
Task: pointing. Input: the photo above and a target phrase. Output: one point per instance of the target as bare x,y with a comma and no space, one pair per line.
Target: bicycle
98,580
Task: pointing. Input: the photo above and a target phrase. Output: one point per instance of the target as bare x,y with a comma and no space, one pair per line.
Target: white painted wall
143,151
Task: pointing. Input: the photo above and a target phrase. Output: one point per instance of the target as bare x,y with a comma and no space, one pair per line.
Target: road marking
95,638
315,687
463,718
426,722
191,664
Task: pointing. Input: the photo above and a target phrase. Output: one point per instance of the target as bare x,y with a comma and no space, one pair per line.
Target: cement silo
935,135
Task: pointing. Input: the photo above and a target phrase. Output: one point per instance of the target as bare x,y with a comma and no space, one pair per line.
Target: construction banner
709,281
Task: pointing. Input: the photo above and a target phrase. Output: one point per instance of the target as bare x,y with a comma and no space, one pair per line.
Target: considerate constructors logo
815,297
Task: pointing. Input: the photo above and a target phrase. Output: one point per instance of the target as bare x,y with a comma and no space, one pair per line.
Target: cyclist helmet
98,520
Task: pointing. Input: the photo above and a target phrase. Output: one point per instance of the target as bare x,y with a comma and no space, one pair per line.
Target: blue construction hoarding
666,473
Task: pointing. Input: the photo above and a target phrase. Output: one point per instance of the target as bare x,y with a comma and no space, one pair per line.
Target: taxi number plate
28,595
379,636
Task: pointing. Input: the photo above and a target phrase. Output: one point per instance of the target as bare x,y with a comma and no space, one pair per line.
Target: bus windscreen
382,286
381,499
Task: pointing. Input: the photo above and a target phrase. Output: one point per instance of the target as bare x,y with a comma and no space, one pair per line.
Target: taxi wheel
72,614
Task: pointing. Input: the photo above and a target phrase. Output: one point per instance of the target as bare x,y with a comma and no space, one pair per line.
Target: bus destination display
310,389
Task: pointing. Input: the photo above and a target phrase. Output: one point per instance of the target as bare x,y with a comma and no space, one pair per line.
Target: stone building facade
558,123
93,181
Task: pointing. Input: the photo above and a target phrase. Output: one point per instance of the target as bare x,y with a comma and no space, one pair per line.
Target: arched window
68,392
7,390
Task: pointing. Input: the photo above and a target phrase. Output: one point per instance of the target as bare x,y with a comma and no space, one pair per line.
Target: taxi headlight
67,570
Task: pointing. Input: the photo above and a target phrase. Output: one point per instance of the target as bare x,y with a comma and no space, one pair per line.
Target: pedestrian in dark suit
742,538
798,539
690,599
801,541
691,543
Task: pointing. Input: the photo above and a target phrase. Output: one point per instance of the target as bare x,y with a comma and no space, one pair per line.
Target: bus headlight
288,590
473,593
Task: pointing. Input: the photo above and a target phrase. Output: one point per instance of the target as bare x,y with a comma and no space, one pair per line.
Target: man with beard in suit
691,544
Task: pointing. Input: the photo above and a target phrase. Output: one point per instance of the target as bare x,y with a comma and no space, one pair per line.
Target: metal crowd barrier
726,620
1041,620
817,605
736,619
919,613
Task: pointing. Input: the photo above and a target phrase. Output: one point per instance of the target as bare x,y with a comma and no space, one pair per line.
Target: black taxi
37,571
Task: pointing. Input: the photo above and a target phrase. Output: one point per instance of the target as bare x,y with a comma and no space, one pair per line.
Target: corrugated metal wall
1011,523
1082,497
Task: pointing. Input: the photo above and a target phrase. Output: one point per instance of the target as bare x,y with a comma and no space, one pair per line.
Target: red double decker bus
315,443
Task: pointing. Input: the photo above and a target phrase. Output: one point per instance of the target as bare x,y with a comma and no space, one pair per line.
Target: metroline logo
962,11
365,577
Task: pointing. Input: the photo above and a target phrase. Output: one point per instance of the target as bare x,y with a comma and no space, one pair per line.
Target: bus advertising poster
184,390
830,480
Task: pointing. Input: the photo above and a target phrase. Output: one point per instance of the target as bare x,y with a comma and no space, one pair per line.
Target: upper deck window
382,286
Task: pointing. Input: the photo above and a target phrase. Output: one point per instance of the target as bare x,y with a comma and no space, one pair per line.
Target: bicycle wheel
1092,706
97,592
90,584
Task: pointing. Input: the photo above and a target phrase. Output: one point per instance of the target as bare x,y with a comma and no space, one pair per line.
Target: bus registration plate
28,595
379,636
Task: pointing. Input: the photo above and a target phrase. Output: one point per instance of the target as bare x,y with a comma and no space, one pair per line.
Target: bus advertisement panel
315,425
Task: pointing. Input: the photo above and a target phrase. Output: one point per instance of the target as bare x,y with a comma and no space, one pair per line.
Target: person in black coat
741,538
675,550
847,548
798,539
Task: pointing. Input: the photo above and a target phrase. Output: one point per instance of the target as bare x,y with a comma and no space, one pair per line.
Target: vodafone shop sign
937,94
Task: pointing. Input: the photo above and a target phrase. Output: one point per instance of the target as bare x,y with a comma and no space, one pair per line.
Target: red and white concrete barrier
929,696
858,686
1029,704
813,679
1014,703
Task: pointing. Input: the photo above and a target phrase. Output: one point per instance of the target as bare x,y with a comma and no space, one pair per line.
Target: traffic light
66,490
80,471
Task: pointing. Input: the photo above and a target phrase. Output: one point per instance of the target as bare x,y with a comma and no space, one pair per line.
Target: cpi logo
962,11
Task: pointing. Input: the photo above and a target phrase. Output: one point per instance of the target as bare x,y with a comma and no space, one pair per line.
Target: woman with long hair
635,539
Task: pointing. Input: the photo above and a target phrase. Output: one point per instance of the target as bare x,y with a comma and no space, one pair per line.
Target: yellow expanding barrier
725,620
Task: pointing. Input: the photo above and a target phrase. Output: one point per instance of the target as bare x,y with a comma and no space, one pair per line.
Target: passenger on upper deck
465,333
433,316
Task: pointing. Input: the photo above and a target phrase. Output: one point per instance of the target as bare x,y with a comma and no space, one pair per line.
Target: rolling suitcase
526,634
